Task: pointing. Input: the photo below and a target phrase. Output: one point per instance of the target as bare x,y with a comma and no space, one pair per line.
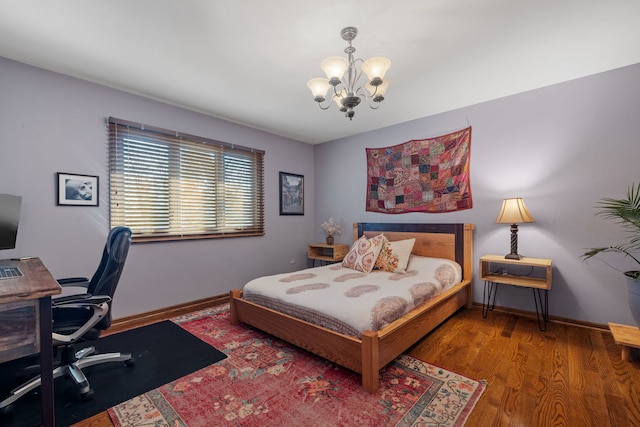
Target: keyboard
10,272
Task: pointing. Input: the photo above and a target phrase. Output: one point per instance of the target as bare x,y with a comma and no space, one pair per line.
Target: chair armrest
98,306
79,300
81,282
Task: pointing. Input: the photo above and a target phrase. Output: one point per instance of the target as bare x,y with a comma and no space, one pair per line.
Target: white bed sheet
349,301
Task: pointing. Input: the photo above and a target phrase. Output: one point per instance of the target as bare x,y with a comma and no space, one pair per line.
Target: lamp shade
376,67
319,87
513,211
337,98
334,67
380,90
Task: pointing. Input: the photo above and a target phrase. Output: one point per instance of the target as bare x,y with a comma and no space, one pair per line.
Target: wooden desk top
36,281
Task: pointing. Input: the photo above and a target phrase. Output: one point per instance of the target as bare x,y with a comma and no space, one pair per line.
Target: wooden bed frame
374,350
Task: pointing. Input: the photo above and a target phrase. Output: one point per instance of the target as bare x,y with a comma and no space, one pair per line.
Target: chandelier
343,74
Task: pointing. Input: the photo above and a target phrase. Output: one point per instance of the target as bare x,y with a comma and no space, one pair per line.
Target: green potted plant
625,212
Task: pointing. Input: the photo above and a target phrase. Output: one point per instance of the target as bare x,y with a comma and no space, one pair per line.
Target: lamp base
514,244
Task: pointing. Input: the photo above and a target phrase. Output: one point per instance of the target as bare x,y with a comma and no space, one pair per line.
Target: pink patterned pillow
363,254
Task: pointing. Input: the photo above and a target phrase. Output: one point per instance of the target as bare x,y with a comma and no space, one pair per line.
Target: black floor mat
164,352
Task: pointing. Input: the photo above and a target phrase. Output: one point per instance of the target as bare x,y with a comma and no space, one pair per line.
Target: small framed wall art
291,194
77,190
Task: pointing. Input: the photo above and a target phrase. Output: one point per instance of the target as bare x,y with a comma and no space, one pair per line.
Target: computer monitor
9,217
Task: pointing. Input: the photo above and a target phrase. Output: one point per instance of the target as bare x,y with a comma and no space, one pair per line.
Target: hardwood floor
566,376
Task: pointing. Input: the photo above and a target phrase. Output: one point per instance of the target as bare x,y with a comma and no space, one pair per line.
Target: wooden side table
327,253
494,270
628,337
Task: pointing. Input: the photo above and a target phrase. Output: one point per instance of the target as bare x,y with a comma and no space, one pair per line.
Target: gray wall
52,123
561,148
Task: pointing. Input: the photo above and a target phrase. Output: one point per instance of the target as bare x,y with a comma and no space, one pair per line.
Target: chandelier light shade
334,68
513,212
319,88
375,69
377,92
343,75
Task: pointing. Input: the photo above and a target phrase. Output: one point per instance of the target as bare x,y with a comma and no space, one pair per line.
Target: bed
372,350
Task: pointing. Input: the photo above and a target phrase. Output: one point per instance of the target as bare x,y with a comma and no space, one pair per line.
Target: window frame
188,196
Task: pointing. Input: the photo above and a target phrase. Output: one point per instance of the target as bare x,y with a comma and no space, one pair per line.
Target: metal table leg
542,310
490,291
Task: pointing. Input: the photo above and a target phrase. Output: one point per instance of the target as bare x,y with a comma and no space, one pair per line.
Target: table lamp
513,212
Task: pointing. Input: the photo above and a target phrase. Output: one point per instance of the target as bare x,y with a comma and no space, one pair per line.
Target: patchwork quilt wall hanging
425,175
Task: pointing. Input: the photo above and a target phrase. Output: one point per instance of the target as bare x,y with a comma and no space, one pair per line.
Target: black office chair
83,317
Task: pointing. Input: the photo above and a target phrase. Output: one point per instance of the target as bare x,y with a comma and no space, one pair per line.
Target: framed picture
77,190
291,194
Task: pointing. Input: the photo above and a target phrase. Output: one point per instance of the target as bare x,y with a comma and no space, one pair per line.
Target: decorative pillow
363,253
394,256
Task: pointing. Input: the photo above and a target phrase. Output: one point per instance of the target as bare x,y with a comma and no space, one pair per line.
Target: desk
35,286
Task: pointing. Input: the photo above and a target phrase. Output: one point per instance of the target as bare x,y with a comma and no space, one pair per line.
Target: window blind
165,185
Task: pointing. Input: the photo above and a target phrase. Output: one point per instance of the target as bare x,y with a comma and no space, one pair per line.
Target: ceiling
248,61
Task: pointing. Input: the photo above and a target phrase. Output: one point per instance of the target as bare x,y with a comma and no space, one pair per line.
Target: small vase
329,240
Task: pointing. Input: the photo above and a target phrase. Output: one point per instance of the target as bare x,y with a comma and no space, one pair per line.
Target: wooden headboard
451,241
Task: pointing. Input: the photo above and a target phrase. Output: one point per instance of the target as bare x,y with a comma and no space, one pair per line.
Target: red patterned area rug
267,382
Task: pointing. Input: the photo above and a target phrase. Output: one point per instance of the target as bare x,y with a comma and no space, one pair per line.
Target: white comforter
349,301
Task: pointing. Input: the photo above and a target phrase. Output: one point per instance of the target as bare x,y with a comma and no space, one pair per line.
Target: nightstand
327,253
497,270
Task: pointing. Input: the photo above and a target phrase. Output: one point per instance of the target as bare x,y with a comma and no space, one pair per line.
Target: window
169,186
